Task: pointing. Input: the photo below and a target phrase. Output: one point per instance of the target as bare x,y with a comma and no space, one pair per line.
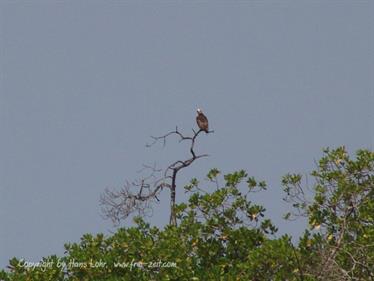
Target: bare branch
139,195
136,196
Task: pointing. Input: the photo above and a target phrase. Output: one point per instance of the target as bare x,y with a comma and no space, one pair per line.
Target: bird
202,121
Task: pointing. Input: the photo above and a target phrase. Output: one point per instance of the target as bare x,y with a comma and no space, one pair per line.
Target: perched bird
202,121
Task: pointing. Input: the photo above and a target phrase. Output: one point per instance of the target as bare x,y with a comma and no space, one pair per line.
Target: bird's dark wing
202,122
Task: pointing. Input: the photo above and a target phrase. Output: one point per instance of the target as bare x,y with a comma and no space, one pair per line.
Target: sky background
85,83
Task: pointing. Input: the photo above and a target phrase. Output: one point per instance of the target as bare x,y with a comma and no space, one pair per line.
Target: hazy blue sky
84,84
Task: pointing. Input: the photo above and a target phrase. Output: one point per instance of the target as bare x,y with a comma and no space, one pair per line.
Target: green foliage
222,235
340,214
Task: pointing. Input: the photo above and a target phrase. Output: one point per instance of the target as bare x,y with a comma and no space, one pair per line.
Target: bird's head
199,111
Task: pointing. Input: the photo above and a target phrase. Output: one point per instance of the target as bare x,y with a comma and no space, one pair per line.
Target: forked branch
140,195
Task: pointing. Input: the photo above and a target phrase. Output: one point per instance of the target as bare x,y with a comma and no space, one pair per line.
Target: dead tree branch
172,170
139,196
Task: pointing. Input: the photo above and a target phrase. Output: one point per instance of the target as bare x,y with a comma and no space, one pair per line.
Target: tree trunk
173,218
